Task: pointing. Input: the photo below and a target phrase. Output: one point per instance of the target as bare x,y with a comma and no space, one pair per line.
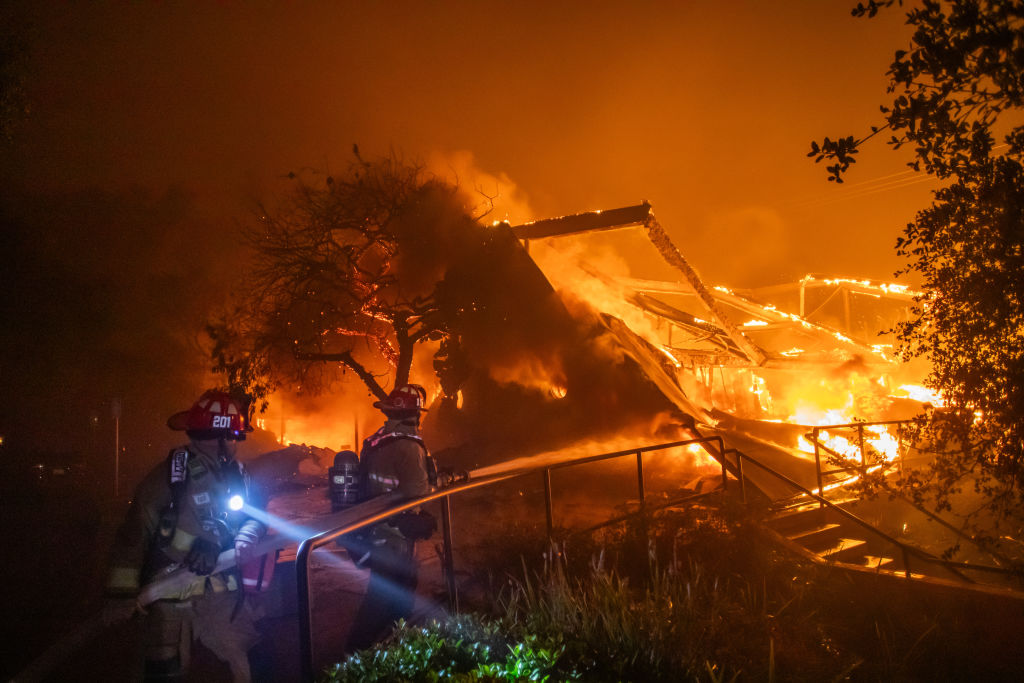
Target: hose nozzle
449,477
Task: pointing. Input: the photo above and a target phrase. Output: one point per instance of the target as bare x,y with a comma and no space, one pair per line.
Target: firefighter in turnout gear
184,513
394,459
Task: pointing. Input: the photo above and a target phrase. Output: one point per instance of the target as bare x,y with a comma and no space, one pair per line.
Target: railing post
860,437
547,504
899,445
302,556
640,480
817,467
449,562
721,453
906,561
739,472
643,504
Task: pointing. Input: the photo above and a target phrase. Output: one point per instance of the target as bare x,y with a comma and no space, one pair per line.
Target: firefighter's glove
416,526
202,557
117,610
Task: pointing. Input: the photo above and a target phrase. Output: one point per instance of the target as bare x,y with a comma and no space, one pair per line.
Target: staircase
826,535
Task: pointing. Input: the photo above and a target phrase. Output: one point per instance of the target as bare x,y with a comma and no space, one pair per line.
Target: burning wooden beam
660,239
642,216
591,221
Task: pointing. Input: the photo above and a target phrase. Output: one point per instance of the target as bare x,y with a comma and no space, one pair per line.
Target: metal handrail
816,429
999,557
906,549
307,546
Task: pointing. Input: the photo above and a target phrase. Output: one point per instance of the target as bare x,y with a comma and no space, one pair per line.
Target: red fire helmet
406,397
214,415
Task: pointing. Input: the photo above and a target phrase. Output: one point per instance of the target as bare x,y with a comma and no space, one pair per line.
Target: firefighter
185,512
394,459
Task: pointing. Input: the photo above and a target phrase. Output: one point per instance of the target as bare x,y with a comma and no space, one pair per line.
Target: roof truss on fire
701,327
641,215
865,287
785,337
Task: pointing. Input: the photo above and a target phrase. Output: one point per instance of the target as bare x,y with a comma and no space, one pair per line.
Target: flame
532,373
878,437
922,394
882,287
701,458
693,456
337,426
587,273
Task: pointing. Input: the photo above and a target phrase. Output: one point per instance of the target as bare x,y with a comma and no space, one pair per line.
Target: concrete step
875,561
842,545
814,531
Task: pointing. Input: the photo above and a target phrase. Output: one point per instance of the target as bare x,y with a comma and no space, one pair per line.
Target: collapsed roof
701,332
714,325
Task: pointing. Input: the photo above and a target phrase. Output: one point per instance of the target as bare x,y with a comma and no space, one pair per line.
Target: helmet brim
178,421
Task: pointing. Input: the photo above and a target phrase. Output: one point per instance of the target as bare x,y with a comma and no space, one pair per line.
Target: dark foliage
956,89
346,272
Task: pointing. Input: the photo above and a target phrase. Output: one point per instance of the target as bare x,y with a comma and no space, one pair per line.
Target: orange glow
922,394
881,287
693,456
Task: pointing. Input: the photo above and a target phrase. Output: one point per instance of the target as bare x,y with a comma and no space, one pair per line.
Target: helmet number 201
221,421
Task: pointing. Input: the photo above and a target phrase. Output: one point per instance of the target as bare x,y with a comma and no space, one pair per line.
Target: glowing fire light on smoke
922,394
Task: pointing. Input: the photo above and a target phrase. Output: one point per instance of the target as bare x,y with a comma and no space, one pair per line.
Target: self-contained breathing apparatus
346,479
348,483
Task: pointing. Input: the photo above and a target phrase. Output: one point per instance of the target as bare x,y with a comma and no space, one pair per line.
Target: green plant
465,648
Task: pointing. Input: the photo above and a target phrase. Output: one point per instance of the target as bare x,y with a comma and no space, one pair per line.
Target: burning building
760,367
551,347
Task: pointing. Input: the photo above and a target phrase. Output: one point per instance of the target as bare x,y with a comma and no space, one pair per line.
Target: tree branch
346,357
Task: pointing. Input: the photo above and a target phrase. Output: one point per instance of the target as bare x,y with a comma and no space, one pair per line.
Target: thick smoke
525,368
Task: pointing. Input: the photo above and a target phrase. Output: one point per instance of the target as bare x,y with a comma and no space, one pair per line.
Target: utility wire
864,188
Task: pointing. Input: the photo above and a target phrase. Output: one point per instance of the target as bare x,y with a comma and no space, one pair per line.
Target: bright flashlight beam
295,532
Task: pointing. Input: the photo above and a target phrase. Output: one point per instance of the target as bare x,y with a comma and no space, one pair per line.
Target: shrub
464,648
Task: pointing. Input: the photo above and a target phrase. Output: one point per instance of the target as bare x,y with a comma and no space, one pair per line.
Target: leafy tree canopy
957,101
346,270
